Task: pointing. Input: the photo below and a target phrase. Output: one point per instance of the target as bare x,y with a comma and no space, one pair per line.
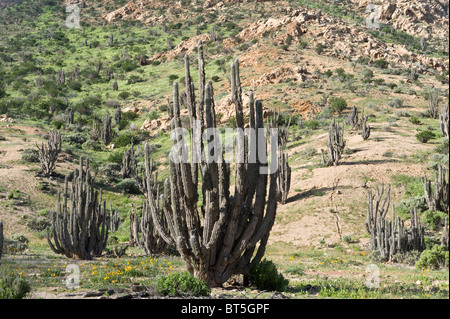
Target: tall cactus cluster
218,235
390,237
79,225
48,152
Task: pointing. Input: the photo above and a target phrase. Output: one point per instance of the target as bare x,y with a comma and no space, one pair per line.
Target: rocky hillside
297,56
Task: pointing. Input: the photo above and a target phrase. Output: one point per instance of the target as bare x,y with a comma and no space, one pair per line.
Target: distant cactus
1,239
433,103
284,178
365,129
284,170
437,197
48,153
336,144
391,237
353,119
106,133
444,238
443,119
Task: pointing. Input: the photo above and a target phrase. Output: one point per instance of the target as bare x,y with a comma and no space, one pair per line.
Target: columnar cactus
79,226
1,239
106,133
336,144
218,237
112,219
443,119
129,164
437,197
69,115
444,238
353,119
284,178
433,103
144,234
284,170
117,116
48,153
143,231
95,132
365,129
392,237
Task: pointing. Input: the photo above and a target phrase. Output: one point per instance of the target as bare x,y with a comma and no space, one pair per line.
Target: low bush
434,258
182,284
30,155
414,120
338,104
425,136
128,185
13,286
265,276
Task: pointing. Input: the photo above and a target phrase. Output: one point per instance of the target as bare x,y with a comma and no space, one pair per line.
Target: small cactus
48,153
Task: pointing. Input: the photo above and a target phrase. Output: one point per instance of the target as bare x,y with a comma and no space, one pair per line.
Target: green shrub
338,104
319,48
15,245
124,139
116,156
128,185
182,284
396,103
265,276
124,95
92,145
382,64
37,223
312,124
425,136
414,120
75,139
13,286
434,258
432,219
30,155
57,124
443,147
